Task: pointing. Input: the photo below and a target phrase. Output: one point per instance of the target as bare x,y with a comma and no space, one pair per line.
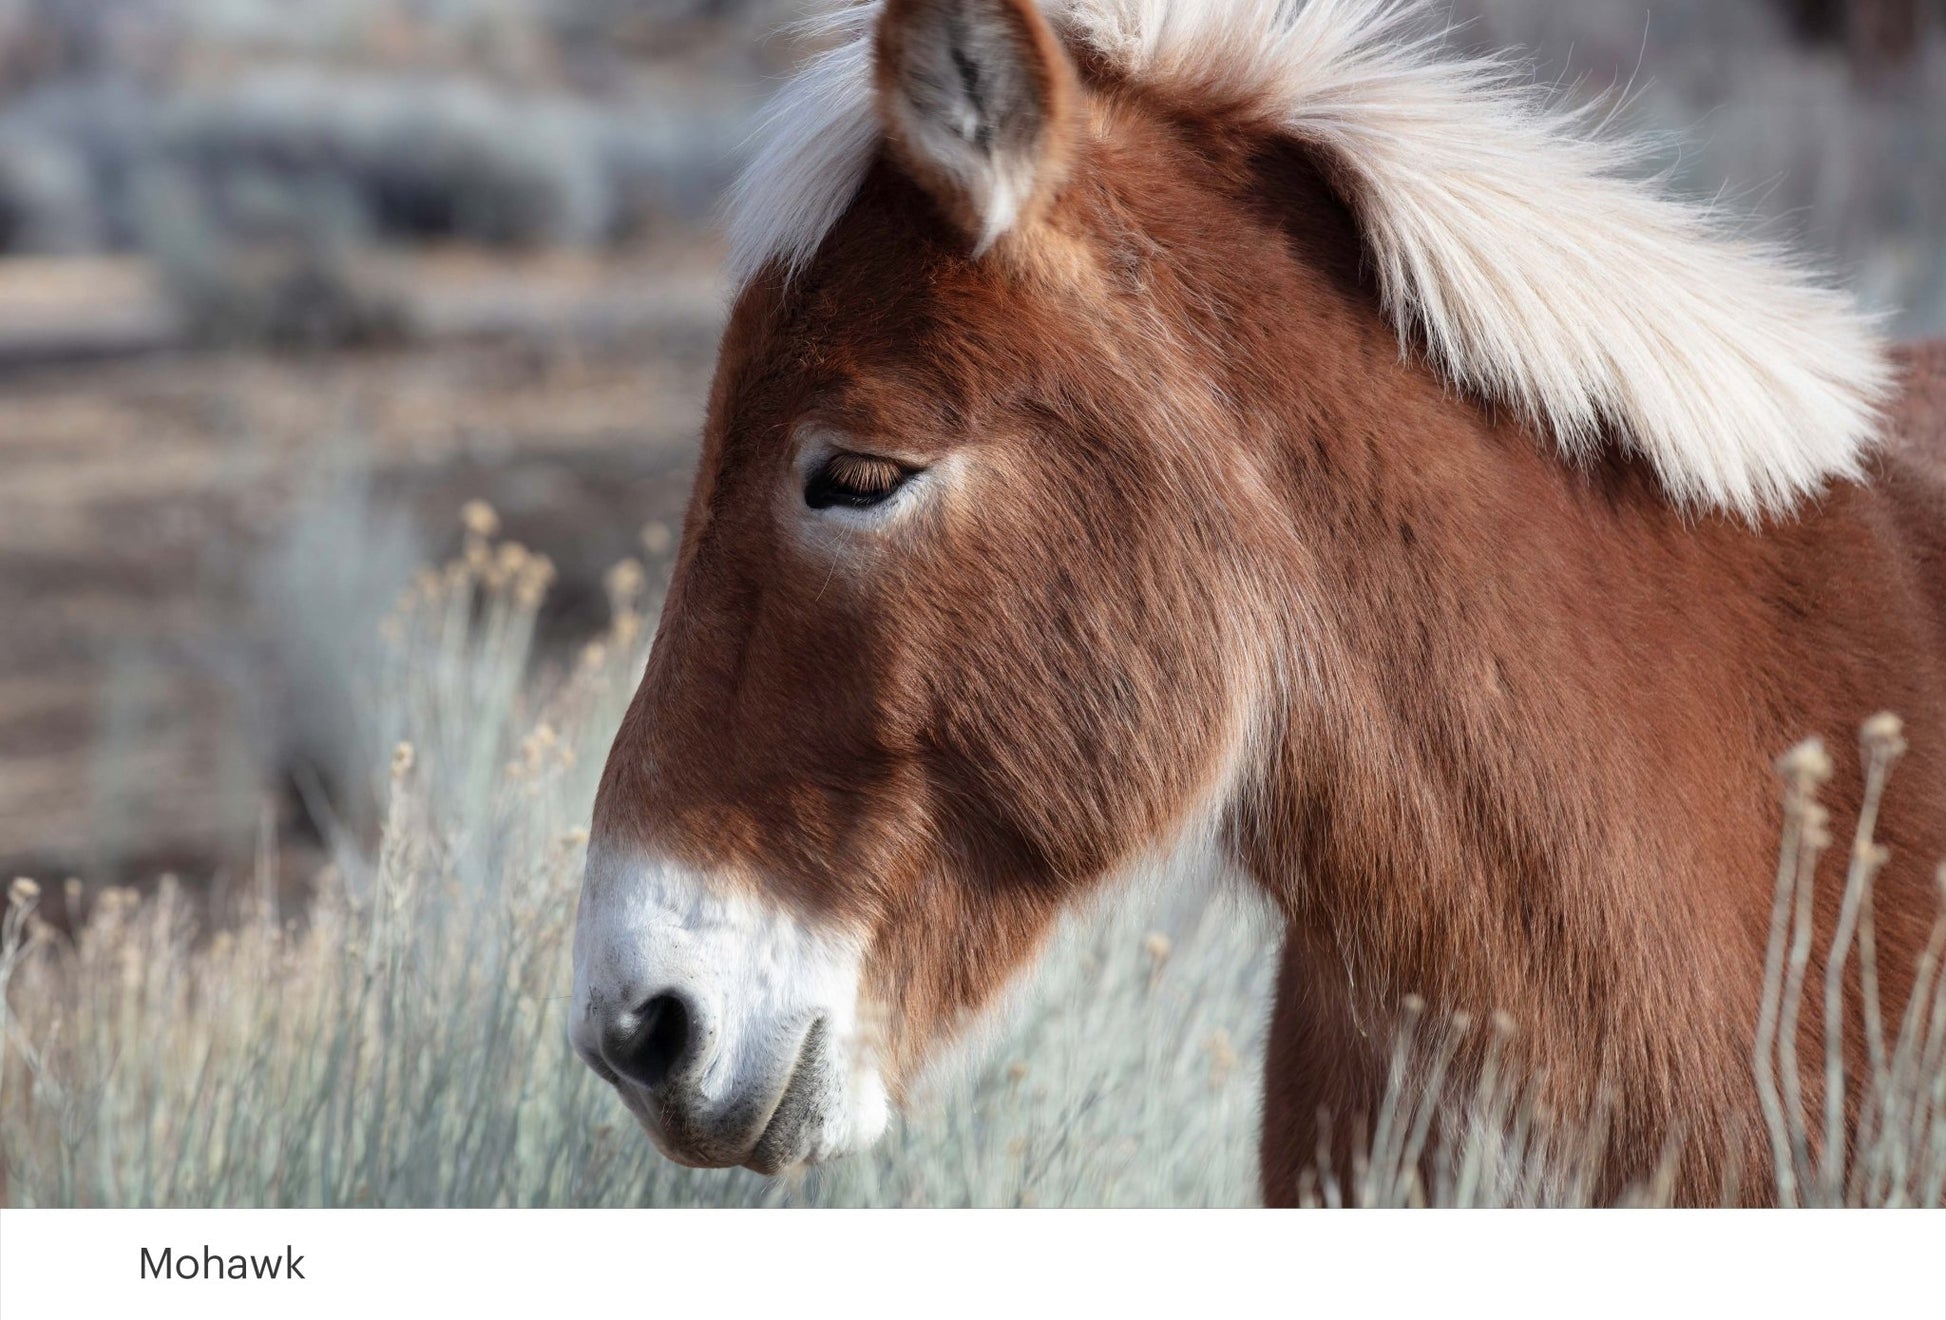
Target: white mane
1508,235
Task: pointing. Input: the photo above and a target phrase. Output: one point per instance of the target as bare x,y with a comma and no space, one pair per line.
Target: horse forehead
851,371
892,288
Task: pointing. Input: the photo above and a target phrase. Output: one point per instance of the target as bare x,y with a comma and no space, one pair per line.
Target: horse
1250,437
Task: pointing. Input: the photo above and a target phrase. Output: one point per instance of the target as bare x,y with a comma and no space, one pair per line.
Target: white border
645,1263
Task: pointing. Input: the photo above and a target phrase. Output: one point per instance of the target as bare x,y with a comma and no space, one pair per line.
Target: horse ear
977,99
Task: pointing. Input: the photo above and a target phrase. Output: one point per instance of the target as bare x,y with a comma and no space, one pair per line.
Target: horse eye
855,481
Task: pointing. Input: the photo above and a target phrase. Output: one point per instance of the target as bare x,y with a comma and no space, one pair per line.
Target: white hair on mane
1509,235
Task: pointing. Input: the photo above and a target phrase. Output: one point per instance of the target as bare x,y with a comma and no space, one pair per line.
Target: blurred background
284,284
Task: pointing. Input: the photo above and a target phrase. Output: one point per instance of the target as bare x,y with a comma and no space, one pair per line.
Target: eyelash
855,481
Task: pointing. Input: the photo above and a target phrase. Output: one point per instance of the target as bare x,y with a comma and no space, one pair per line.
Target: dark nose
649,1044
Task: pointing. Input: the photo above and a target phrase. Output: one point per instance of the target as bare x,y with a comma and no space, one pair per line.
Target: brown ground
140,485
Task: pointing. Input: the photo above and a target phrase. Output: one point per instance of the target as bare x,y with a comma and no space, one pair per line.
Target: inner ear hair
977,99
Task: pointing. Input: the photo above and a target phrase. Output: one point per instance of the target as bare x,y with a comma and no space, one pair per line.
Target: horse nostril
646,1045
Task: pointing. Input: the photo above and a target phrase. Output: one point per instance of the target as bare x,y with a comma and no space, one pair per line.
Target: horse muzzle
728,1028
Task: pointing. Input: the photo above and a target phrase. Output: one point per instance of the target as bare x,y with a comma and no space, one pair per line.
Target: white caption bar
650,1263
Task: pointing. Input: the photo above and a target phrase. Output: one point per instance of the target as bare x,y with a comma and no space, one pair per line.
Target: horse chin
829,1108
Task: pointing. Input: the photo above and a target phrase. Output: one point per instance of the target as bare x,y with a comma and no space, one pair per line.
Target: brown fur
1511,723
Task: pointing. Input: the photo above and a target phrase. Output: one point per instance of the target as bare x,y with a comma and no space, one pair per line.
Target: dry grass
401,1042
1899,1155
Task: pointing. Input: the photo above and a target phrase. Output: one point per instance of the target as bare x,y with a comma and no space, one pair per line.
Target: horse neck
1500,665
1519,759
